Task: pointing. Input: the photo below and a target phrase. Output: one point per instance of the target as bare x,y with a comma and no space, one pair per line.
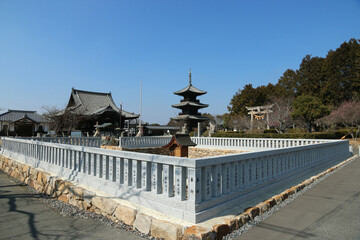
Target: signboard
75,133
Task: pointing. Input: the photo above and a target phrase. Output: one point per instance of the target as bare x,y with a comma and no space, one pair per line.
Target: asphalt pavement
329,210
23,216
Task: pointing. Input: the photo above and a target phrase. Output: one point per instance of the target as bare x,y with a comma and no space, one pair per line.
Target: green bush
297,130
270,131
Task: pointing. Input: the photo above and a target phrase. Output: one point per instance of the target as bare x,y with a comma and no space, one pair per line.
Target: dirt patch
205,152
193,152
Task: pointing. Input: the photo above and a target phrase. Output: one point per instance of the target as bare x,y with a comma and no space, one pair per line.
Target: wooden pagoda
189,105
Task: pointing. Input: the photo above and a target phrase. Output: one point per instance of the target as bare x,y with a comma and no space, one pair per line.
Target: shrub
270,131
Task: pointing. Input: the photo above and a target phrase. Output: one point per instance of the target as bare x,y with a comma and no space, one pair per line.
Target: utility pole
120,125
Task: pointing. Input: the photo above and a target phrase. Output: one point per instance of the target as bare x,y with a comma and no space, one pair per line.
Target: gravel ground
277,207
69,211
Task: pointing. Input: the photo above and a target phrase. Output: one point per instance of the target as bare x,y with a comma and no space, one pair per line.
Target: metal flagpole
140,135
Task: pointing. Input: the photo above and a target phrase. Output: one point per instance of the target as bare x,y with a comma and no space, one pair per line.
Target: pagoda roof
94,103
190,103
190,89
190,117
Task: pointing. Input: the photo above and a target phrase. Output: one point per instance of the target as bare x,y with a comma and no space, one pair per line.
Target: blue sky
48,47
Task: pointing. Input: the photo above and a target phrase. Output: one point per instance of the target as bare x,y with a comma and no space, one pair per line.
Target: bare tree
51,113
239,122
327,123
63,121
348,114
280,118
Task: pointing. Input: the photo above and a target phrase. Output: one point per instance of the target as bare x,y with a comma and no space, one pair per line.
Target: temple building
23,123
87,110
189,106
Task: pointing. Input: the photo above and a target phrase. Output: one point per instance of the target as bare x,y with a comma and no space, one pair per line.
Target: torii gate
257,110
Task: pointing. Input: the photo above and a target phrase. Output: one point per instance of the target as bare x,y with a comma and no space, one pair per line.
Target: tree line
322,92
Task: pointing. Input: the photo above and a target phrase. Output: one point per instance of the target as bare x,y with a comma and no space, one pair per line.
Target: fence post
180,182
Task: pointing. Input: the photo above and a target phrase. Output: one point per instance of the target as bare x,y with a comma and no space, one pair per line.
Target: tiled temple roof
90,103
17,115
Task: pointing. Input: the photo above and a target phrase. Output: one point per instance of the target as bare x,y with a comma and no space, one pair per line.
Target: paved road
329,210
24,217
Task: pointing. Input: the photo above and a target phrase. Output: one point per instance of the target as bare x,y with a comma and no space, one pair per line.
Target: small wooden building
179,145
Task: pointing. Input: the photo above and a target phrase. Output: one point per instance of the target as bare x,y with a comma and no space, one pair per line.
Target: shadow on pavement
289,231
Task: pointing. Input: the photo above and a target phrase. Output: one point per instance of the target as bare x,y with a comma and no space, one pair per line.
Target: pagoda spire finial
190,76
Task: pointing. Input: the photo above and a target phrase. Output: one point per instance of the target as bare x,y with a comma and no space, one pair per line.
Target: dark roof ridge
190,88
24,111
100,93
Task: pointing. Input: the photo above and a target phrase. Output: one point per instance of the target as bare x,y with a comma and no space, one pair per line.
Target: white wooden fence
189,189
142,142
253,143
80,141
249,144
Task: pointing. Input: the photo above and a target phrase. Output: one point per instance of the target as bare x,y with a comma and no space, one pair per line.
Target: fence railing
80,141
142,142
253,143
221,143
203,142
189,189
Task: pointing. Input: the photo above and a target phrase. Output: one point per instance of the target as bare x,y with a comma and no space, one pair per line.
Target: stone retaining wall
69,192
73,194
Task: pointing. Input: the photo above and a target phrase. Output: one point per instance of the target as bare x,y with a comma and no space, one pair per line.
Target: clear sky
48,47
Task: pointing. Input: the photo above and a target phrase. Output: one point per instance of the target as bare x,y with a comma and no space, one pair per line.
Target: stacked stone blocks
68,192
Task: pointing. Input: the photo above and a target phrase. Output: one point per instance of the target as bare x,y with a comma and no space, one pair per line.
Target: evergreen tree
249,97
342,71
308,109
288,84
310,76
